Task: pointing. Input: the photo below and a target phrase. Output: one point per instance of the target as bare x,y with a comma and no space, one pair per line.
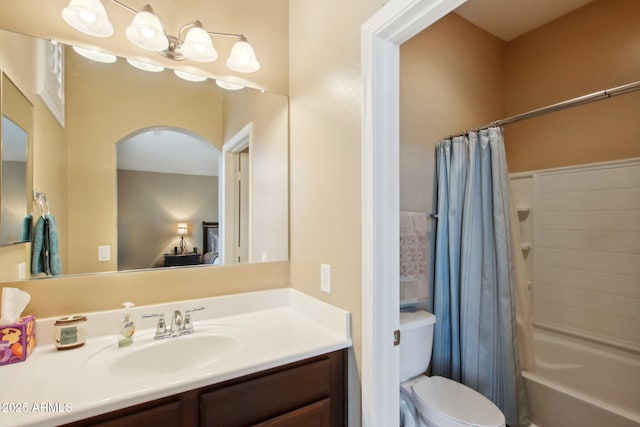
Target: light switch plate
104,253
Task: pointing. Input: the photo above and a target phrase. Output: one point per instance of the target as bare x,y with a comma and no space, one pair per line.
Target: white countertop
54,387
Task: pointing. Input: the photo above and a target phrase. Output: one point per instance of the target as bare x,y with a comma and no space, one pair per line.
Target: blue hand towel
37,260
26,228
54,266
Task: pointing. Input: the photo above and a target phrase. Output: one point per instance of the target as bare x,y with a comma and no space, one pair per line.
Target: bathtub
578,383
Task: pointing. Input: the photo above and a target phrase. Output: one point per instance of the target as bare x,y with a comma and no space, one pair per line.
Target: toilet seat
445,399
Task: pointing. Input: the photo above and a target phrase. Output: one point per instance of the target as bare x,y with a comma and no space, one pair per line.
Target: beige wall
325,112
451,79
150,205
475,78
106,103
592,49
107,291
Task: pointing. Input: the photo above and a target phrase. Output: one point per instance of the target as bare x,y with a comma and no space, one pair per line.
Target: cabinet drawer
266,397
315,415
163,416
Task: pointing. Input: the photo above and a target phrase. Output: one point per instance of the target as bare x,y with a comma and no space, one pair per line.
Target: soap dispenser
127,326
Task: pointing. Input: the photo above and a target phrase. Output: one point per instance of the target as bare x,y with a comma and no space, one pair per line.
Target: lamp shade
190,77
242,58
145,66
228,85
146,31
182,228
89,17
95,55
198,46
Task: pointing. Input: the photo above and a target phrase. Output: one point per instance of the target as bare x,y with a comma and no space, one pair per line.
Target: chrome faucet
176,321
179,325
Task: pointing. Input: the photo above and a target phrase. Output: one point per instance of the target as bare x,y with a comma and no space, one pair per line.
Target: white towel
414,286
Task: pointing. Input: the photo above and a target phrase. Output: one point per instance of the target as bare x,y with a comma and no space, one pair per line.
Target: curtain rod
585,99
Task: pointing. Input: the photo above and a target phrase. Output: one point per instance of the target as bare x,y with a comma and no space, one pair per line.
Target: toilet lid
457,402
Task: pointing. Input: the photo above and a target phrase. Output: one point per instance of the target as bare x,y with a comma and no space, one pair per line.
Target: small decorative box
17,340
70,332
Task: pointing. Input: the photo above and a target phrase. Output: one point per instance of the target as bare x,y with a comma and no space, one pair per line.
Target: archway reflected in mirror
167,187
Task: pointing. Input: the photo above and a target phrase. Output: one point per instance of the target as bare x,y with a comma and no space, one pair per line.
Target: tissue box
17,340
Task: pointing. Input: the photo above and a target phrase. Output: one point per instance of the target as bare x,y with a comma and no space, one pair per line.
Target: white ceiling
508,19
168,151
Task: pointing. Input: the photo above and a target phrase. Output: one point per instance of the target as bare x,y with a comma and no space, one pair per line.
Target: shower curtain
474,303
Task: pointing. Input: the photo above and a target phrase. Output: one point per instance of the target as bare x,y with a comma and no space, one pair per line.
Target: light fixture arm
146,8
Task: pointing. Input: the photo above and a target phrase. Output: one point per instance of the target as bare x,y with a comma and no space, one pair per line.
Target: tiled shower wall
584,258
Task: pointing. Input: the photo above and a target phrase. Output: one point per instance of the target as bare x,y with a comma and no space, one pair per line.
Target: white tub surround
273,327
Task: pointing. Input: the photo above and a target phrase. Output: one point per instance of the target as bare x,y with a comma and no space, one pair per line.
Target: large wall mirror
16,132
125,174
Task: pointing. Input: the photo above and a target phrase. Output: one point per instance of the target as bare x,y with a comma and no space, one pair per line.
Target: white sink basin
152,358
173,355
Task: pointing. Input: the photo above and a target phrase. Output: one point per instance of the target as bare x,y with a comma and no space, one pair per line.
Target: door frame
230,151
381,37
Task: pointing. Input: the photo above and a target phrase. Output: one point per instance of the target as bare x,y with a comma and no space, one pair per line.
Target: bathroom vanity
271,358
306,393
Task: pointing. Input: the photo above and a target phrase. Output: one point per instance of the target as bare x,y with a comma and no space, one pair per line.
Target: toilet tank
416,342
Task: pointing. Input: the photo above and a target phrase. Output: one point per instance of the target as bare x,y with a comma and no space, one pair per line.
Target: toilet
435,401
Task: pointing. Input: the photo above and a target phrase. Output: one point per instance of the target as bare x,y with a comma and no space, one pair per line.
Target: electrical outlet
325,278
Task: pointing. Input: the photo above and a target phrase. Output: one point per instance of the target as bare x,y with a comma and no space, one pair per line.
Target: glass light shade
189,76
229,85
145,66
94,55
146,32
242,58
198,46
89,17
182,228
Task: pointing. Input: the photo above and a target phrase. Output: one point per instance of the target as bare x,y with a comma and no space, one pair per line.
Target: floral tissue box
17,340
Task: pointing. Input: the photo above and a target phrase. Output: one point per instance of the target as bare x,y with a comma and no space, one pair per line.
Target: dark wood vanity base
308,393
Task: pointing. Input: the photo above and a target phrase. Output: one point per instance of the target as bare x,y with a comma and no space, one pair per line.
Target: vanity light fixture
147,31
145,66
229,85
95,55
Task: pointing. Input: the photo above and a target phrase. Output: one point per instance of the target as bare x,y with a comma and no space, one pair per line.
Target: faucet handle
161,328
190,310
188,323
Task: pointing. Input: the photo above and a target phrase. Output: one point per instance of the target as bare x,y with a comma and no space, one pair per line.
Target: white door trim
381,37
226,214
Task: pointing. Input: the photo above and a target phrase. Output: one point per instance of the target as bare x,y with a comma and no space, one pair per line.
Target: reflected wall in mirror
107,103
17,129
